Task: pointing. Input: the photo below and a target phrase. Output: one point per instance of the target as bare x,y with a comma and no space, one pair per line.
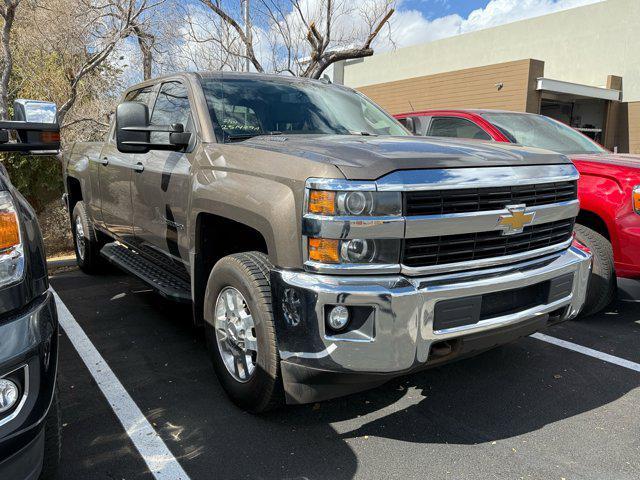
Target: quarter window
456,128
142,95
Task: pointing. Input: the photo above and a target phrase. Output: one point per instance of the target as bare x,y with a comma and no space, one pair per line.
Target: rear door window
456,128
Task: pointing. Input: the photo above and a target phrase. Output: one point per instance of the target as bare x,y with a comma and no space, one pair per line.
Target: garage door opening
582,107
585,115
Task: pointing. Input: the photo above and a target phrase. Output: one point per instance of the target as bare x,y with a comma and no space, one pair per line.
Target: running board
166,283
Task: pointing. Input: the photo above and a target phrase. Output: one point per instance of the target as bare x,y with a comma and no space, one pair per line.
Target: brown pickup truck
323,247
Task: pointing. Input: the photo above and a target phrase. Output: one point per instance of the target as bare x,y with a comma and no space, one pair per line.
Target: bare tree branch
248,42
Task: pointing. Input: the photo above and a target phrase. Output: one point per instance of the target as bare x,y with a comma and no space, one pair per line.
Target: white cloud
410,27
351,25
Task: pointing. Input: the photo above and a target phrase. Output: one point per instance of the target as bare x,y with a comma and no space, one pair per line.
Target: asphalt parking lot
529,410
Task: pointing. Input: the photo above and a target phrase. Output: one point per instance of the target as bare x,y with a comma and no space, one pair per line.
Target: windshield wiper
363,133
245,136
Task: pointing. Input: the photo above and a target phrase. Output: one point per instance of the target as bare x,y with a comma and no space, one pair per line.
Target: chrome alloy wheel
236,334
80,238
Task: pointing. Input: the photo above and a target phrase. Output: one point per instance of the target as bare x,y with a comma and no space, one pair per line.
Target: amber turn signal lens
50,137
9,231
322,202
636,199
323,250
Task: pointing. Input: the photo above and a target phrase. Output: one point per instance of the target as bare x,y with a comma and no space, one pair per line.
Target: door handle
104,161
139,167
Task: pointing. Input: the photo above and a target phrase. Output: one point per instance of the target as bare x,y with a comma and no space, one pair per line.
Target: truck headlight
354,203
354,251
635,198
11,252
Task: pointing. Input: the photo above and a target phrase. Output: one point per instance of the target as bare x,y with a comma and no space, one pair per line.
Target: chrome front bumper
400,334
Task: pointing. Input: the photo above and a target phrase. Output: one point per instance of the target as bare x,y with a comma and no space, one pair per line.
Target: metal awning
577,89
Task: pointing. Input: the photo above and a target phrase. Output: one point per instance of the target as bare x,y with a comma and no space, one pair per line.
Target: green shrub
38,178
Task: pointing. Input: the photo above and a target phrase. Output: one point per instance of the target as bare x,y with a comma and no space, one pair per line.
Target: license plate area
460,312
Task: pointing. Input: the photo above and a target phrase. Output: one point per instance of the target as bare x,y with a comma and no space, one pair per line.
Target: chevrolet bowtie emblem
515,220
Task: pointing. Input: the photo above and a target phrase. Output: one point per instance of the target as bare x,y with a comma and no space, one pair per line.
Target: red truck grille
485,199
430,251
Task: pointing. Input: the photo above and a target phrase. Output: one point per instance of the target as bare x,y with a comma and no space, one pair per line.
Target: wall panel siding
634,127
469,88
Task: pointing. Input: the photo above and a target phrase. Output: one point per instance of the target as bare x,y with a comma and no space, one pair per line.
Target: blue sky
414,22
439,8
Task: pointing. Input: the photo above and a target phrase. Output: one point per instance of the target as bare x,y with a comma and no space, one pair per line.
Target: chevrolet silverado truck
324,248
608,189
30,427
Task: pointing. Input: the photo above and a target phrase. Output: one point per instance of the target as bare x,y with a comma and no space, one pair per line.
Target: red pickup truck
608,189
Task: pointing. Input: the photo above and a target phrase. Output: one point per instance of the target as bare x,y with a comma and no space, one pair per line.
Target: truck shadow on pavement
509,391
162,362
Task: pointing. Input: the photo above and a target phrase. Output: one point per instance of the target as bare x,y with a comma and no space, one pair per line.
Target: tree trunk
146,49
9,13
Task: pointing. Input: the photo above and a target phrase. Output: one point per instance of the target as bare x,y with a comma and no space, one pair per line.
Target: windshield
542,132
243,108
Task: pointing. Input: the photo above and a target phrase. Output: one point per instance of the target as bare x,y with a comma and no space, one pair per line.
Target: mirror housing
132,123
133,131
408,123
35,127
25,110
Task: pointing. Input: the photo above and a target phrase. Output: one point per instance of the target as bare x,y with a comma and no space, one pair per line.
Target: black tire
602,281
88,254
249,274
52,441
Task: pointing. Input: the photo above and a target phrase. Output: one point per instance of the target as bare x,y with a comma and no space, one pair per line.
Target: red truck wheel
602,282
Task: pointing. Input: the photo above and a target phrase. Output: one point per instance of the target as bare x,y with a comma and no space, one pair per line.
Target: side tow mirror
132,128
409,124
35,111
133,131
36,128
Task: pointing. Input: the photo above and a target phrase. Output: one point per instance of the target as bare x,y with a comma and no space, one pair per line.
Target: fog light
338,317
9,393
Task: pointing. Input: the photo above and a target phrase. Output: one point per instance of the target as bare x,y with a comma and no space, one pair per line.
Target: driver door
161,185
115,175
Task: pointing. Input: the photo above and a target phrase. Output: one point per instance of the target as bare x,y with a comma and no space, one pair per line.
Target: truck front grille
430,251
444,202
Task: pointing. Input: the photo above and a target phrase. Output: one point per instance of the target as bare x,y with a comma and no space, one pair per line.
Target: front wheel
602,281
241,336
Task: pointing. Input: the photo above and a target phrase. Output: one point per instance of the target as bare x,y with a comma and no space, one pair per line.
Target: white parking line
161,462
605,357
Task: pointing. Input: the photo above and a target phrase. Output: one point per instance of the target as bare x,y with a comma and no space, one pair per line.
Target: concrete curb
61,262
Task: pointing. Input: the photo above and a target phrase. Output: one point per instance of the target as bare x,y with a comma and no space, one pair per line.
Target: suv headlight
11,251
635,198
349,225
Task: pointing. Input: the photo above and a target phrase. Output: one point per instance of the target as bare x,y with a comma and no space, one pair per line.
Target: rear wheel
602,281
86,242
242,339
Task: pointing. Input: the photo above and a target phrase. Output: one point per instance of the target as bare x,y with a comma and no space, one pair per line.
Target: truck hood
371,157
618,159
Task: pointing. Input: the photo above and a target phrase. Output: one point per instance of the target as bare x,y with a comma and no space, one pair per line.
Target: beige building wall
581,45
633,121
506,86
